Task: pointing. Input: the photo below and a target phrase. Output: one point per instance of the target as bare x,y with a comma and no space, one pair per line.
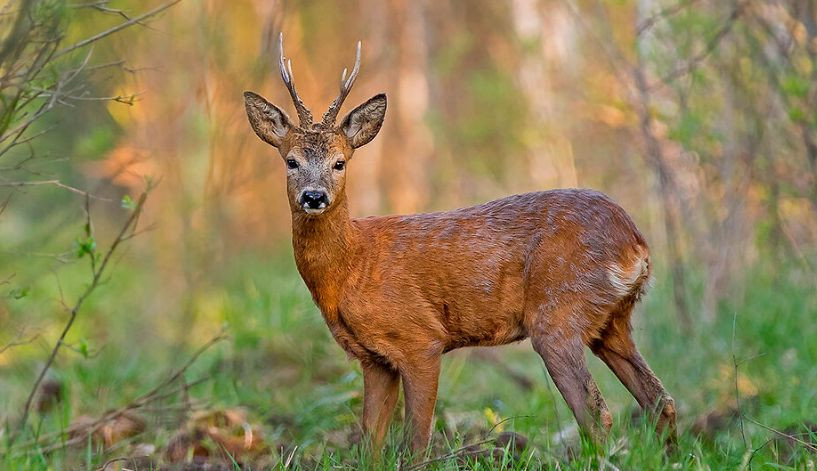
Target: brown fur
563,267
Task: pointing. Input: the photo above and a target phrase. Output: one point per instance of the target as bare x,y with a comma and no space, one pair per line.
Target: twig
112,461
756,450
91,428
115,29
18,343
508,419
179,372
520,379
710,47
784,434
465,450
53,182
5,204
737,390
156,394
666,12
97,276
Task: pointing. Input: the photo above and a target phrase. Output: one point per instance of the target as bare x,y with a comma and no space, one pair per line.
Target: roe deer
563,267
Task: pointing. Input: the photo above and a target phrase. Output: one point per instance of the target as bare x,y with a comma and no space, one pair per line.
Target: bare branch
18,343
3,207
53,182
158,393
95,281
115,29
101,5
690,65
112,461
806,444
648,23
466,450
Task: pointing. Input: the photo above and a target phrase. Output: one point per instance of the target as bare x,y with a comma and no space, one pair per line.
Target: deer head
315,154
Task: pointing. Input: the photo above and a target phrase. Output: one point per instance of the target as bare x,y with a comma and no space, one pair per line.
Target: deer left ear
267,120
362,124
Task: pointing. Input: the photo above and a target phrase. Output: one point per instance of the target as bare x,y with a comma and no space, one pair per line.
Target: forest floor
276,392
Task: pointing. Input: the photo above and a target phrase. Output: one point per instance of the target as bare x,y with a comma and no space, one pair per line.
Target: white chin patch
317,210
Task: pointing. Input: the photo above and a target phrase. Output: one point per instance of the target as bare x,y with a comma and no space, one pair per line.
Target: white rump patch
625,279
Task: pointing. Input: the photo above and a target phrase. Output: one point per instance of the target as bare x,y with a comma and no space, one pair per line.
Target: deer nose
314,199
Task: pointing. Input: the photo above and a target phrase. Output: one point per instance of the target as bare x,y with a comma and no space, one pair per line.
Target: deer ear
362,123
267,120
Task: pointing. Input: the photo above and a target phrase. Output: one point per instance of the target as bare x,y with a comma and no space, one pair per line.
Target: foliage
281,365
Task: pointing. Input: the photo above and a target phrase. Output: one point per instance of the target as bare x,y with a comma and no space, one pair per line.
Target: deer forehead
316,146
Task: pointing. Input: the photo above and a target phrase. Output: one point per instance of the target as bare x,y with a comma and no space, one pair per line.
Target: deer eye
292,164
339,165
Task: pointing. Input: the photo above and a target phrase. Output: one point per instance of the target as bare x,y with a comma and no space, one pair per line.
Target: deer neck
323,246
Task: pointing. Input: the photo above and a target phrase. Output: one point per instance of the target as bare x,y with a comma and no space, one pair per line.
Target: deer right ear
362,124
267,120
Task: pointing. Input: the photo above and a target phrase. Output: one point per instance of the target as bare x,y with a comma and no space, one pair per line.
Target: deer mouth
314,211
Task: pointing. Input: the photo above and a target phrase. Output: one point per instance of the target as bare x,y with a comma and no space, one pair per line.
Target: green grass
305,398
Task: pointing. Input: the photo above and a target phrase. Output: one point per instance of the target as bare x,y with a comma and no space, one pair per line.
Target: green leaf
797,115
796,85
19,293
83,348
86,246
127,203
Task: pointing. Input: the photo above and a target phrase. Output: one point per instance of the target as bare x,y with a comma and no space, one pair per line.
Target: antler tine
285,65
345,86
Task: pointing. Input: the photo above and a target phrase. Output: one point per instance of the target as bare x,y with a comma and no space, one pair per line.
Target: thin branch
97,276
520,379
18,130
101,5
661,15
85,354
93,427
462,451
112,461
737,389
806,444
5,204
690,65
18,343
56,183
149,228
115,29
158,393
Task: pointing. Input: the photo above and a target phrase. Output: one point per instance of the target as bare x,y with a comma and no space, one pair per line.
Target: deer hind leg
616,348
380,392
564,358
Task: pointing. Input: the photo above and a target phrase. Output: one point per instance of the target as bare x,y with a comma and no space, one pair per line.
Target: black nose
314,199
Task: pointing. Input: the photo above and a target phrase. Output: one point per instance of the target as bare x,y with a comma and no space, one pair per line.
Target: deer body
563,267
460,278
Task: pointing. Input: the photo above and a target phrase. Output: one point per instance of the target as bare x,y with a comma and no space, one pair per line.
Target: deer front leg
380,393
420,389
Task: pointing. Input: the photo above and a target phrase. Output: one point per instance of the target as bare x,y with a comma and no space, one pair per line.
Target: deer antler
345,85
304,114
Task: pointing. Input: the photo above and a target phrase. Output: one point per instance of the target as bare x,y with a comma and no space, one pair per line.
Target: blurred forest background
698,116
